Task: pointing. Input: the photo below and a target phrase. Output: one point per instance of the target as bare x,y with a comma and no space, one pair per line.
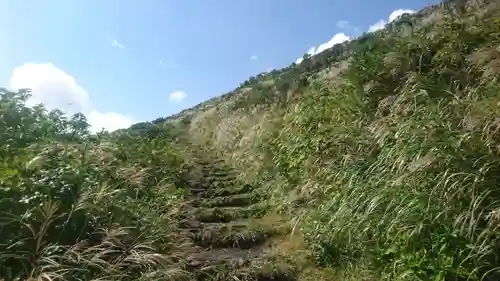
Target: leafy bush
74,208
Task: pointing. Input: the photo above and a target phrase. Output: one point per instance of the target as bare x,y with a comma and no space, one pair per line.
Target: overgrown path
228,243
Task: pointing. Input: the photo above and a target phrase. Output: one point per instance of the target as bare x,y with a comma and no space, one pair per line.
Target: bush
72,208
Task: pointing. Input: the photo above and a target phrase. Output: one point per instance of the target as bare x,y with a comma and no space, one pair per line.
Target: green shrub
71,209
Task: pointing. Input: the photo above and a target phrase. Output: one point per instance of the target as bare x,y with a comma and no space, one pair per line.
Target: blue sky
119,61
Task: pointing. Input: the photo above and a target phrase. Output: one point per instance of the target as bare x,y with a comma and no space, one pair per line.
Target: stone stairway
220,218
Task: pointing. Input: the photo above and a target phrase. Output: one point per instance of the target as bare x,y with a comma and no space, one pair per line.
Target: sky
126,61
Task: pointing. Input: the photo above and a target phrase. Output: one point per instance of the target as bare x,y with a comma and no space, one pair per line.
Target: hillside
376,159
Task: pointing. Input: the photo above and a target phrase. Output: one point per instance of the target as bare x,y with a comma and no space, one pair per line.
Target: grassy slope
381,155
382,150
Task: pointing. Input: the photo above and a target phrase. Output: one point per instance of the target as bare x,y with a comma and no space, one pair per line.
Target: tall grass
79,207
391,170
403,156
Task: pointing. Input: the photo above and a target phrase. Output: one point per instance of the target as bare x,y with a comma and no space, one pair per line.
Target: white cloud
110,121
394,15
161,62
377,26
177,96
342,24
311,52
336,39
117,45
57,89
254,57
50,86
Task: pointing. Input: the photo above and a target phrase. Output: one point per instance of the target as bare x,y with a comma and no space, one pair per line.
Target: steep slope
377,159
382,152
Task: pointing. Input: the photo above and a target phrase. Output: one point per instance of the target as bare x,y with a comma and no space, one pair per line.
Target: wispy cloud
117,45
342,24
177,96
254,57
347,26
161,62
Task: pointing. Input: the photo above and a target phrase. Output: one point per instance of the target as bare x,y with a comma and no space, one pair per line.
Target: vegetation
374,160
401,157
77,207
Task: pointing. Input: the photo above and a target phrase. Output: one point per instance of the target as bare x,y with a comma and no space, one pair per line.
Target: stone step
222,171
240,265
212,178
217,170
226,191
222,184
259,269
232,257
237,200
198,190
224,227
243,238
228,214
190,224
197,226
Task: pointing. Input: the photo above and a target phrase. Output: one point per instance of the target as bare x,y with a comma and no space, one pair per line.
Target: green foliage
406,154
81,207
391,167
390,171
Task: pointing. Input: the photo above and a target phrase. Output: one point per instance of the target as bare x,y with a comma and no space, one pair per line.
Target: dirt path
226,243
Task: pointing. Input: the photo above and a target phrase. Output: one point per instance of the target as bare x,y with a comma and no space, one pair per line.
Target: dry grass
396,176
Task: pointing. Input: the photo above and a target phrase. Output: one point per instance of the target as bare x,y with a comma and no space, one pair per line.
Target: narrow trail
226,244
